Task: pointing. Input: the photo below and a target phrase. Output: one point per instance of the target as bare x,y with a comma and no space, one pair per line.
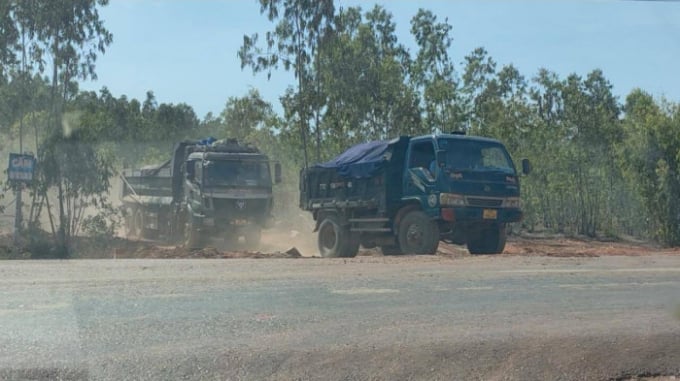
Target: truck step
371,230
369,219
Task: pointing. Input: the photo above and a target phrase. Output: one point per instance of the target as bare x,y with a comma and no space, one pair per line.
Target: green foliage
102,225
79,172
650,158
72,35
433,73
363,78
301,25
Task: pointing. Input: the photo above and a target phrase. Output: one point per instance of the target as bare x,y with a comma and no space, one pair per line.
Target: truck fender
322,214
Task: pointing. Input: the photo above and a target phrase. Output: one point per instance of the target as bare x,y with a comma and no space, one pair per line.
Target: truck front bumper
477,214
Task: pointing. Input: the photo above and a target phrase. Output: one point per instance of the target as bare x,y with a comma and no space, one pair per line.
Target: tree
649,157
433,72
242,116
81,173
363,78
72,34
293,42
9,37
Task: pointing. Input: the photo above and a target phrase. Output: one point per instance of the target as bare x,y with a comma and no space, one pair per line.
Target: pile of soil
151,251
560,246
274,246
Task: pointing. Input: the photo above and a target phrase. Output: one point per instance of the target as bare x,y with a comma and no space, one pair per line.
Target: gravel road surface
367,318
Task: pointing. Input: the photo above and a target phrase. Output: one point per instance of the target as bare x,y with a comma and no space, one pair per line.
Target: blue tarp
361,160
207,141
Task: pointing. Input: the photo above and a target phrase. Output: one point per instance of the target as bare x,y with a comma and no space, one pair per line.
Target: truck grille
229,208
484,202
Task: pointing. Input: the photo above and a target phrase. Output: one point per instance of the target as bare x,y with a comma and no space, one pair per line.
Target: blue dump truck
408,194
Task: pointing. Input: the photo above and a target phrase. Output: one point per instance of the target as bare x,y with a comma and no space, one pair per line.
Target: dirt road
368,318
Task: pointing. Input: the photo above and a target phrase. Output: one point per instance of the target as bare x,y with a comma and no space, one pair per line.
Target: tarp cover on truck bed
361,160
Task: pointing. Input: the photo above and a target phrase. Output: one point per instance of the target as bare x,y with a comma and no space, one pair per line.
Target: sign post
20,172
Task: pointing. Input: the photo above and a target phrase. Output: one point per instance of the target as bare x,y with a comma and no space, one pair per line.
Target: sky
185,50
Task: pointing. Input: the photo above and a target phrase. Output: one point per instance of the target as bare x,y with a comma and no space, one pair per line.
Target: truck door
421,170
194,177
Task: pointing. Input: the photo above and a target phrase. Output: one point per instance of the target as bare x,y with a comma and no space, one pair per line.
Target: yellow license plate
490,214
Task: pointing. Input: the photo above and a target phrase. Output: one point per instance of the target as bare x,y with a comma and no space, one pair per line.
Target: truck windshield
236,173
463,154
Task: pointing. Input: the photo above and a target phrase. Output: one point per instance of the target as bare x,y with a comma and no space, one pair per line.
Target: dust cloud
291,229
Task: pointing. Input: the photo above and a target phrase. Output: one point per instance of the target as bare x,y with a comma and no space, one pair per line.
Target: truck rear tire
418,234
490,240
336,240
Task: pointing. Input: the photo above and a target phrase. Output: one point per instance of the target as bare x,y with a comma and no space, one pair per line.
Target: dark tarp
359,161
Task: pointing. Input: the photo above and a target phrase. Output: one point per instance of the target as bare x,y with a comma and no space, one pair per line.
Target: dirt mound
152,251
277,244
560,246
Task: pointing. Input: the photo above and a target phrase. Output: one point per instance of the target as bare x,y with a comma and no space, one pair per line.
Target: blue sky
185,50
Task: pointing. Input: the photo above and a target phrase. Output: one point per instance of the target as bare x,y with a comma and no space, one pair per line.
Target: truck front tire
336,240
418,234
489,240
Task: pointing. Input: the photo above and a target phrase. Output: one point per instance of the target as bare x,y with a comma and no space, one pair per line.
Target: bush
103,225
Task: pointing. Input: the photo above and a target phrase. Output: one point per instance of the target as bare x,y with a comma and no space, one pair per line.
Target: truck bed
147,187
325,188
367,175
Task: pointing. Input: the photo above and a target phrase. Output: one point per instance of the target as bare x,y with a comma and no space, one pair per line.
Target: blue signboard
21,167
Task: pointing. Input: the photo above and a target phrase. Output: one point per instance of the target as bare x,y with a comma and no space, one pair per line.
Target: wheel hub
414,235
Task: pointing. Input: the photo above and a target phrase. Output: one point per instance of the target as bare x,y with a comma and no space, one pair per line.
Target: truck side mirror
277,173
526,166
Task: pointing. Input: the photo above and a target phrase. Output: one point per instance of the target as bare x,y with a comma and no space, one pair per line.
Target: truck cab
468,184
207,189
228,194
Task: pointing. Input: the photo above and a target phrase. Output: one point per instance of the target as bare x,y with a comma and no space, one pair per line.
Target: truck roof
211,155
456,136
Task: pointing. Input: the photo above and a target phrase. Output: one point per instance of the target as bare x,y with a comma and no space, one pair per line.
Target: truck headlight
511,202
451,199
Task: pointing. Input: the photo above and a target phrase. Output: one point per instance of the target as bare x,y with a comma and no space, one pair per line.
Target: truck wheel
336,240
418,234
193,237
253,237
391,250
490,240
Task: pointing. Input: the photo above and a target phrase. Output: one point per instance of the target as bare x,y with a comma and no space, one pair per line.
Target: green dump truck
208,189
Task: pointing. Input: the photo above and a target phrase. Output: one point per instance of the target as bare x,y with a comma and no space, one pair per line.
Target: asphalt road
369,318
